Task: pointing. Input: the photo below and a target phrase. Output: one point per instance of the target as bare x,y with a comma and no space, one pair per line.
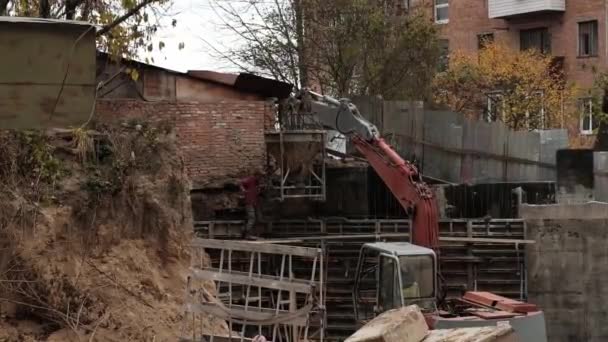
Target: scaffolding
254,298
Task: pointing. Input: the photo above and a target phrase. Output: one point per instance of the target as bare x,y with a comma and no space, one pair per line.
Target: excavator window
417,276
389,291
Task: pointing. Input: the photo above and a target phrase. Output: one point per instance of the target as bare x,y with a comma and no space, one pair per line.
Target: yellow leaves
531,95
133,73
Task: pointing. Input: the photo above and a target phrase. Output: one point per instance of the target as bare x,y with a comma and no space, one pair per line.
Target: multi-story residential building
573,31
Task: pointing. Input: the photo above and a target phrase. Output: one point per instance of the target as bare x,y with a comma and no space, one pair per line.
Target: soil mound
95,228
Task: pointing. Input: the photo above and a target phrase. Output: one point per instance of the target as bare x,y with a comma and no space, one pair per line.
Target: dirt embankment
94,235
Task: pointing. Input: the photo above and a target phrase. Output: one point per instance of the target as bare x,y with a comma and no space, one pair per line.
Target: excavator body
395,274
392,275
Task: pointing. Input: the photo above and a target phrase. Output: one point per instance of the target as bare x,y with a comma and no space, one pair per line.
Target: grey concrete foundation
568,268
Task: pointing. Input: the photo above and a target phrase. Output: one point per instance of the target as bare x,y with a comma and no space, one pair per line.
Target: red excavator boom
400,176
405,182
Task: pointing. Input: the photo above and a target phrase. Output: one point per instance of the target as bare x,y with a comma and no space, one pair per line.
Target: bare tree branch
124,17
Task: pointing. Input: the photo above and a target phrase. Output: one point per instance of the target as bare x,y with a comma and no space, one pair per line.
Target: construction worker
250,187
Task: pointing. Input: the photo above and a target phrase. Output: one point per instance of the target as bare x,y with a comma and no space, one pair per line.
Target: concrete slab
405,324
501,333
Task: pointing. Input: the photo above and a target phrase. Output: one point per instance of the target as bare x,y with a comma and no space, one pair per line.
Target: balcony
505,9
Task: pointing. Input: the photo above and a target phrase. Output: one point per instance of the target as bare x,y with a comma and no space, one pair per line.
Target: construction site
210,206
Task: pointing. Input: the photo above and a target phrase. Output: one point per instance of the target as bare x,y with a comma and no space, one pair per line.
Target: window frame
444,58
396,282
594,42
543,43
437,6
583,101
480,40
494,99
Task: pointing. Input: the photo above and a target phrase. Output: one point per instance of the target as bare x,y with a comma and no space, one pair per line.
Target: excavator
394,274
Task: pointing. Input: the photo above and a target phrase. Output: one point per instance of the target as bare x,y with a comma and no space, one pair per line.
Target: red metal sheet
499,302
493,314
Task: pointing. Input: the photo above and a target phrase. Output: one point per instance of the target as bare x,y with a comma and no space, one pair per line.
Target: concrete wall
568,269
220,140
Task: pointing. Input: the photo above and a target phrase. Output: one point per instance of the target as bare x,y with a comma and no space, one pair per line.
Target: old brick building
219,118
573,31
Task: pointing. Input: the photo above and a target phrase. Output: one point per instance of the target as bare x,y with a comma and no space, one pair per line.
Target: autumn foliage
521,88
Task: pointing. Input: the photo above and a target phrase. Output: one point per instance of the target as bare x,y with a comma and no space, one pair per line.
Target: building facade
573,31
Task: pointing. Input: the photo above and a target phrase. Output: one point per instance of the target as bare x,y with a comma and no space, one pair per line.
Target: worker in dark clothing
250,187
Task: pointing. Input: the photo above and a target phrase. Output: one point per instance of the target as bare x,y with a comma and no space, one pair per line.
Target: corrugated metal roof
29,20
250,83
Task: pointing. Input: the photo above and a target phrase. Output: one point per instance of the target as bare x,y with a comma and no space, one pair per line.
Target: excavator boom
400,176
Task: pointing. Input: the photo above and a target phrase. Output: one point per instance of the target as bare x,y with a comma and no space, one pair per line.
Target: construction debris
500,333
405,324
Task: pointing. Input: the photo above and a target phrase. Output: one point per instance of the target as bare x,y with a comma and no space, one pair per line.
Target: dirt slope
94,235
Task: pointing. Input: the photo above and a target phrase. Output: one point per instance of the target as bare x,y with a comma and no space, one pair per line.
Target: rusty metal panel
484,144
404,128
600,173
524,155
550,142
37,56
443,133
371,108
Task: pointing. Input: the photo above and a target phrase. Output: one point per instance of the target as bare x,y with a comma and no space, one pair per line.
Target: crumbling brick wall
219,141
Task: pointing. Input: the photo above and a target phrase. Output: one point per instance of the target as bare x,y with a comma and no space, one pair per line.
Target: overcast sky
196,19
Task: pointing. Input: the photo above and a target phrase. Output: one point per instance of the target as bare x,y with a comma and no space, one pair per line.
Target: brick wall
469,18
219,141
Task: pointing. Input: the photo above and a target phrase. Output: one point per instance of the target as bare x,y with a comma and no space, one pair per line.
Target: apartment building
573,31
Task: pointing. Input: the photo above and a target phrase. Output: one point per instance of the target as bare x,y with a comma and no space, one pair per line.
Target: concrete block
405,324
500,333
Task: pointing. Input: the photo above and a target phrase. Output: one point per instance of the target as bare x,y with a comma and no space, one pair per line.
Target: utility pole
298,7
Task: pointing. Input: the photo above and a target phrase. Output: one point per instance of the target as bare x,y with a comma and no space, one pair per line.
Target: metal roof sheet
400,248
16,20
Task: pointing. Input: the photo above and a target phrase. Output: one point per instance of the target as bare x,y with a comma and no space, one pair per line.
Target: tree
523,88
126,25
345,47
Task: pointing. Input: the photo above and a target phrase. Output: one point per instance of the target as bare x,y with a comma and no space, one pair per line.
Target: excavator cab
391,275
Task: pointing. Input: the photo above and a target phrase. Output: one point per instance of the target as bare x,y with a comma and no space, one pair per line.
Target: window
417,277
587,123
388,296
537,39
444,56
535,113
484,39
494,111
587,39
441,11
533,118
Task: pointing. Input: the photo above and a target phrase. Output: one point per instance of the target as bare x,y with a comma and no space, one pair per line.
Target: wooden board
256,247
243,278
249,314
